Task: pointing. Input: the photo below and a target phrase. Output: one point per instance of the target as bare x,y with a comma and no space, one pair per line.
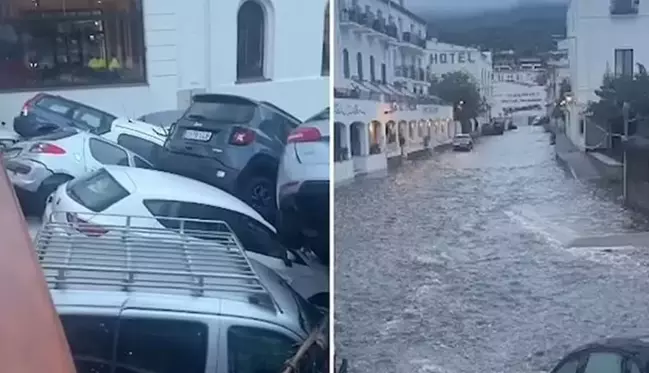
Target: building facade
382,107
443,58
603,36
132,57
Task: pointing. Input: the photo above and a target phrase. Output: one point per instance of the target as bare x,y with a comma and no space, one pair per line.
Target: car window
98,343
55,104
144,148
161,346
108,154
569,366
91,118
254,236
96,191
226,112
257,350
604,362
91,340
141,163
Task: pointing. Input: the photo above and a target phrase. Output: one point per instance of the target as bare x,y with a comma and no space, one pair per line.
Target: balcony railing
369,20
414,39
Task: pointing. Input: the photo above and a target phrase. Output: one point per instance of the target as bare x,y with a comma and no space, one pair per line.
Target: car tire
259,193
48,187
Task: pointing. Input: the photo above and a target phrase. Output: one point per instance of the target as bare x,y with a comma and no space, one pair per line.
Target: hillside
527,29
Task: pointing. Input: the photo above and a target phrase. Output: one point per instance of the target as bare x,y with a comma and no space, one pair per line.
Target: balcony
624,7
408,73
412,43
364,23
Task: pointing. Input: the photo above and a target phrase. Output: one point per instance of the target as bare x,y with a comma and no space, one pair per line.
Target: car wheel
45,190
259,193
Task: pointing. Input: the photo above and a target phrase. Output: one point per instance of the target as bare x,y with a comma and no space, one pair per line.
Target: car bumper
309,203
209,171
26,174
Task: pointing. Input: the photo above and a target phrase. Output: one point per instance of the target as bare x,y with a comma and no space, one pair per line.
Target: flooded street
465,263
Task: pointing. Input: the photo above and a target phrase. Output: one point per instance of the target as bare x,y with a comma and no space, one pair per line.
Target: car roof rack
131,254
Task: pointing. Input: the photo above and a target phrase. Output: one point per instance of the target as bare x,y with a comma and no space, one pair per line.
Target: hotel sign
451,58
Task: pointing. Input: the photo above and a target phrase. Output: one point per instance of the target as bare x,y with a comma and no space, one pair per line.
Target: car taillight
46,148
242,136
304,134
89,229
28,104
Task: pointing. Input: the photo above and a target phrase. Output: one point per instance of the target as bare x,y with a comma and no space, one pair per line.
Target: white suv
303,187
132,304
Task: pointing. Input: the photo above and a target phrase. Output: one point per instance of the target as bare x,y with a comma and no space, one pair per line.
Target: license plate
197,135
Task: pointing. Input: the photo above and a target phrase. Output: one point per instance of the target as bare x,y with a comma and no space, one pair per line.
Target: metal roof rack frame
131,254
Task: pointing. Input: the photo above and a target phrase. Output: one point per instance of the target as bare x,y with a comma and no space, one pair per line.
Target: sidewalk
578,163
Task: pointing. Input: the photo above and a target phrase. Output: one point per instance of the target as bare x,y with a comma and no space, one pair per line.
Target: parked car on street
233,143
463,141
142,138
611,355
37,167
105,197
303,187
131,304
45,113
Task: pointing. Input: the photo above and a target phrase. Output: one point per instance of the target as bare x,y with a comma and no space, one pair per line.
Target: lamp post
626,108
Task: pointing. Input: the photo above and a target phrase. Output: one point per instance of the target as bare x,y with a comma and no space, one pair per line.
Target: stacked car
222,207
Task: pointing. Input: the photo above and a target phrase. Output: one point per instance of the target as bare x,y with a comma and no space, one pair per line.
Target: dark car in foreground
233,143
611,355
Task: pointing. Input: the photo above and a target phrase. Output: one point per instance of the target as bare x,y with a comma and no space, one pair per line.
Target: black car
233,143
612,355
45,113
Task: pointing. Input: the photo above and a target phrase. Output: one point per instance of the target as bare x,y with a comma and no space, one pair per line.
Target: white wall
191,44
593,34
513,95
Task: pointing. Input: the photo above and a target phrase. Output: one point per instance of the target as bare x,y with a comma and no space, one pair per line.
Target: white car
303,187
37,167
106,196
139,137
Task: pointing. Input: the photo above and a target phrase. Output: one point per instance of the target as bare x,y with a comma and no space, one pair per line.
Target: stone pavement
578,163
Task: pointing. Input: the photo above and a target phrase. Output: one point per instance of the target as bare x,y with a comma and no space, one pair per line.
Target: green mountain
526,29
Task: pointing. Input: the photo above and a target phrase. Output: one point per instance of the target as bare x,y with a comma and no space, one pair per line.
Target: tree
614,92
461,90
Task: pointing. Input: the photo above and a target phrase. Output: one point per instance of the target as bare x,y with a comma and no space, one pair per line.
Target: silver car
37,167
131,304
303,187
463,141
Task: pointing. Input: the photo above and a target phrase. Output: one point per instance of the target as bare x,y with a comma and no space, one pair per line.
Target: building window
372,72
345,63
359,65
54,44
384,78
325,44
624,62
251,33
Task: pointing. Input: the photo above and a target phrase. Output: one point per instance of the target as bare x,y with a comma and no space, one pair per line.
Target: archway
355,134
403,132
391,132
341,142
374,132
251,40
411,129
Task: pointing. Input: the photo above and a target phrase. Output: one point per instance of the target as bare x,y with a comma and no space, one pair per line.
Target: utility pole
626,108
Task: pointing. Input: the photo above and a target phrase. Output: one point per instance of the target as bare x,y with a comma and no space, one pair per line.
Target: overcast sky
469,5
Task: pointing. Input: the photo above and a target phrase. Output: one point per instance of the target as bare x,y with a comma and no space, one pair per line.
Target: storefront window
62,43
